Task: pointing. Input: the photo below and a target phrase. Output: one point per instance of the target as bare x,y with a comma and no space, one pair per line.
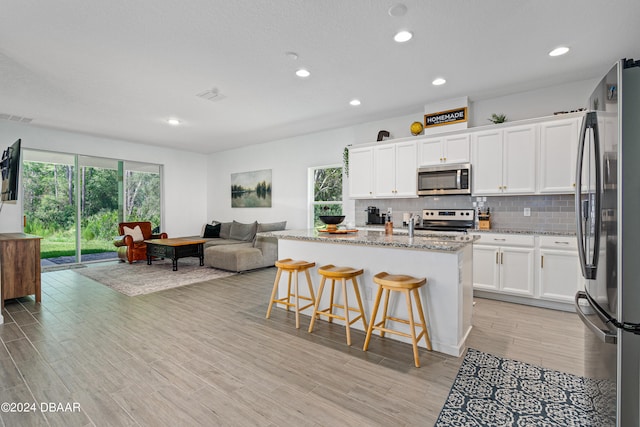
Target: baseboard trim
553,305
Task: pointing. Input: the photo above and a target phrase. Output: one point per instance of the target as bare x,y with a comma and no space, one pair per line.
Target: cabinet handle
574,184
501,257
499,240
496,257
561,243
445,159
541,261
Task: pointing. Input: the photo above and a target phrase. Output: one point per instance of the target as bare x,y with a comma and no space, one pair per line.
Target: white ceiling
120,68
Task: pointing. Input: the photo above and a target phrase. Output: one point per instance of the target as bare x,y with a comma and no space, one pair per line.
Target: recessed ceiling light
291,55
173,121
439,81
559,51
303,73
403,36
355,102
398,10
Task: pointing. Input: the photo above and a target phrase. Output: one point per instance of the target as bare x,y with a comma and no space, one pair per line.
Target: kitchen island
445,260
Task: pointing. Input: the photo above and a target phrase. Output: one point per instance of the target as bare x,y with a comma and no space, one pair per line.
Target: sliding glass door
97,207
75,202
142,190
49,206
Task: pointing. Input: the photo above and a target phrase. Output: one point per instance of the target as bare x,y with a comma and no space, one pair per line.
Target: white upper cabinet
534,157
504,160
519,159
406,170
361,173
385,170
558,151
395,170
486,164
442,150
457,148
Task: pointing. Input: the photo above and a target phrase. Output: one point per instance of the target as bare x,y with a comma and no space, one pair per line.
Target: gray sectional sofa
240,247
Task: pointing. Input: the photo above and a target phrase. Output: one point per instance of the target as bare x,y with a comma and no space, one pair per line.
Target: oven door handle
602,334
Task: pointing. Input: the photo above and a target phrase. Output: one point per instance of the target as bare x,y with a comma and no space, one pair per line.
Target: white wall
535,103
289,161
290,158
185,183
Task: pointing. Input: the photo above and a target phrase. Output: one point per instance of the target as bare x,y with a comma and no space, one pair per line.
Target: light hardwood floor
204,354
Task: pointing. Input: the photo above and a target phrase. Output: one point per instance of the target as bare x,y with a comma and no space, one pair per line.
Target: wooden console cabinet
19,265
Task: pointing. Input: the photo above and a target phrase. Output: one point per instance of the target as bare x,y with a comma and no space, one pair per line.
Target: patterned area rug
139,278
492,391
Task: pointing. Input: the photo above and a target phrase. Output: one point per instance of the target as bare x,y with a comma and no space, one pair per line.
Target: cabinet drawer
559,242
505,239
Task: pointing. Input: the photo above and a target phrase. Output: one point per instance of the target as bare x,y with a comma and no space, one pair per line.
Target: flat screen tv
10,166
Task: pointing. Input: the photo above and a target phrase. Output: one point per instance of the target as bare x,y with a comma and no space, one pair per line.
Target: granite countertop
421,241
524,232
474,231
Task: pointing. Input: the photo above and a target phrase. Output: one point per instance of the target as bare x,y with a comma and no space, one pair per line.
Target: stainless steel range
449,220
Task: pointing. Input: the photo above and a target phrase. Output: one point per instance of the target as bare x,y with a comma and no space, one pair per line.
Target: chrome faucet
412,225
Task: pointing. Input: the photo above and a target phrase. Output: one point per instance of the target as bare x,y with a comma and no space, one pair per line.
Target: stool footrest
378,327
300,297
391,331
339,316
406,322
284,301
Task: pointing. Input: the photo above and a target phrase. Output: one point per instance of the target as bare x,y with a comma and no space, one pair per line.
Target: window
325,190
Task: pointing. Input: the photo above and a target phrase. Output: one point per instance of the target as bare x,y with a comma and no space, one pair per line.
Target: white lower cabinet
544,270
559,276
504,263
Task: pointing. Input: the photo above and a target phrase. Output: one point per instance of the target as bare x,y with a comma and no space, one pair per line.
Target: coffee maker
374,216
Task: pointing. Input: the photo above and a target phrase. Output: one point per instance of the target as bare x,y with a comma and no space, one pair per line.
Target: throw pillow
225,228
244,232
211,231
272,226
135,233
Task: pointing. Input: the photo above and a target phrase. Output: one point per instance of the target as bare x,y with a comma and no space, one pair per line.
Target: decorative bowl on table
331,221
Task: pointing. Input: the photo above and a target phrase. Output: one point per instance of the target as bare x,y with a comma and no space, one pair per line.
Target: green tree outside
50,205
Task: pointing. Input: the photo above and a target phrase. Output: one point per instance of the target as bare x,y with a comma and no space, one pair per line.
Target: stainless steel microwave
444,179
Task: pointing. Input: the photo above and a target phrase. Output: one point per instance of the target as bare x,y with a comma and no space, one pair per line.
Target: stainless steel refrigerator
608,229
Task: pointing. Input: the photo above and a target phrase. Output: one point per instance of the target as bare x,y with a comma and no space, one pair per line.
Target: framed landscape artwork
251,189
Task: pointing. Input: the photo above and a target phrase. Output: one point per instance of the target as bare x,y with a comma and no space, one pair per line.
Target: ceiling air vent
211,95
15,118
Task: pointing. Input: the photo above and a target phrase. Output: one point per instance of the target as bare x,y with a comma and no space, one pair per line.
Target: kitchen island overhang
445,260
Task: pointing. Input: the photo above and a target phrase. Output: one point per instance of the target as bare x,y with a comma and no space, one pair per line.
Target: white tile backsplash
549,213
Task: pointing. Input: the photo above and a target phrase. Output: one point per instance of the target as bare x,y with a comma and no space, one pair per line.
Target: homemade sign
448,117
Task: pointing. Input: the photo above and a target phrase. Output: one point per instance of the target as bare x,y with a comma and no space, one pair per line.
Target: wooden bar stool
291,267
342,273
407,285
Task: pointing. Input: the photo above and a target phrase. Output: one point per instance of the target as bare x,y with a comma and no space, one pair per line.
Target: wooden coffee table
175,248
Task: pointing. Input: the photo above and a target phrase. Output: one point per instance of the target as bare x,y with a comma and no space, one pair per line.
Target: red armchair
130,250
